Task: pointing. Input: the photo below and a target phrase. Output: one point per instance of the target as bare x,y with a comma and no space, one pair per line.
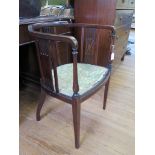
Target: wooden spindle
75,72
54,63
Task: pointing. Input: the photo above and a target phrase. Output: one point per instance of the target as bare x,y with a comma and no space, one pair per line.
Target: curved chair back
46,41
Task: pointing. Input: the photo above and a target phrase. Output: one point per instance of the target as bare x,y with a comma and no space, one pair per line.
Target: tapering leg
106,93
76,108
122,59
40,104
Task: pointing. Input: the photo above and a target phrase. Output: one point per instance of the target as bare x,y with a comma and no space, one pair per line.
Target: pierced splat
46,64
90,37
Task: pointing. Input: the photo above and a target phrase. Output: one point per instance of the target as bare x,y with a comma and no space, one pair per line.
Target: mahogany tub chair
73,82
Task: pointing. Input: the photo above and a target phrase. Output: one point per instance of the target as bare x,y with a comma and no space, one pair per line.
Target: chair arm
69,39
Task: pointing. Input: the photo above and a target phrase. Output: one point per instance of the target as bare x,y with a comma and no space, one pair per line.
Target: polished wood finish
40,104
42,19
102,132
46,41
76,109
28,63
24,37
106,94
118,13
96,12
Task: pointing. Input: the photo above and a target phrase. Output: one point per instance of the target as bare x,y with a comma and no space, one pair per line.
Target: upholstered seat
88,77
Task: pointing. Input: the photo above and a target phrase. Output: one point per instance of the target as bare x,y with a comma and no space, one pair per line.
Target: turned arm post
75,72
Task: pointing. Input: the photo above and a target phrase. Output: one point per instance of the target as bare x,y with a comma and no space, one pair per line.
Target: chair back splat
75,81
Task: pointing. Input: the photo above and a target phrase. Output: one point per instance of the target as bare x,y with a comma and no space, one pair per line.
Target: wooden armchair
72,82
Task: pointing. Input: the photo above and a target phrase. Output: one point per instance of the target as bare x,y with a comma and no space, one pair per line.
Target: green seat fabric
88,77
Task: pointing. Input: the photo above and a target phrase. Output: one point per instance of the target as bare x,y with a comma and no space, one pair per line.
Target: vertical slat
45,63
82,45
97,45
57,48
90,45
56,78
53,56
38,55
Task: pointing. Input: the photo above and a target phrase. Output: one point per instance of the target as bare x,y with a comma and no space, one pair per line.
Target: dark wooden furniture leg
106,94
76,108
122,59
40,104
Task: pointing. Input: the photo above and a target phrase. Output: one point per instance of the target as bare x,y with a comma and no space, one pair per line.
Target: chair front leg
106,93
40,104
76,108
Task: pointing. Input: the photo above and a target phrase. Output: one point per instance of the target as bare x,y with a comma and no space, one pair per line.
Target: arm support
68,39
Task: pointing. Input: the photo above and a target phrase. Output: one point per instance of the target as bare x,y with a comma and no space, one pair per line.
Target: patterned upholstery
88,76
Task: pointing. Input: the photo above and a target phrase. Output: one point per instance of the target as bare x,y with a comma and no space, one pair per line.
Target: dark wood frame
47,86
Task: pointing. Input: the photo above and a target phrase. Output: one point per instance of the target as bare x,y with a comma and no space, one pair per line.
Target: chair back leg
40,104
76,108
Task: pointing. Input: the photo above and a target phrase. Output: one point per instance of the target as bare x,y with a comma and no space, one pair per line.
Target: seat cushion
88,77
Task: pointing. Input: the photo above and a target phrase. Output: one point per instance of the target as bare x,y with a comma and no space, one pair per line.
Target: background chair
72,82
